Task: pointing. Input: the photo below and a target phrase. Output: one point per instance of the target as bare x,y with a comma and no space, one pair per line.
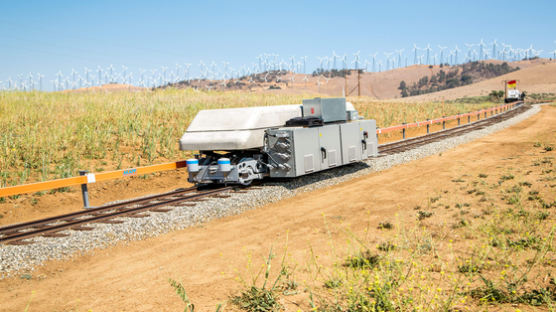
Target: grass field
53,135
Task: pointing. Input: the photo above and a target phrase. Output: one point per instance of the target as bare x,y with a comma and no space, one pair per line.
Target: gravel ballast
24,258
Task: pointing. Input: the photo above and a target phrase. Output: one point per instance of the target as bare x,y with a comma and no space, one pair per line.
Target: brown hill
379,85
533,78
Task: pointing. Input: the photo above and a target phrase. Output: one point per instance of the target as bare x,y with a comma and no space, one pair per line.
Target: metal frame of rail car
322,138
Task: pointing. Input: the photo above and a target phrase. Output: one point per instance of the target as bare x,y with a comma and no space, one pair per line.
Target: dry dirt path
209,258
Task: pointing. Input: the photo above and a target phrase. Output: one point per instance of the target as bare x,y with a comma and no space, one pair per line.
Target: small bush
363,259
423,215
386,246
385,226
257,299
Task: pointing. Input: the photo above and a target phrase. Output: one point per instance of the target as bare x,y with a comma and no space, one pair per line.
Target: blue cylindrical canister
224,165
192,165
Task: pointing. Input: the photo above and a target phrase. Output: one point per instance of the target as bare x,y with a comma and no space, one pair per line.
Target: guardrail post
84,190
486,114
469,118
428,127
459,119
478,116
443,123
403,131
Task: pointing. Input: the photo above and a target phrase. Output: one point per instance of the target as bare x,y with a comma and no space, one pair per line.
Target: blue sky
48,36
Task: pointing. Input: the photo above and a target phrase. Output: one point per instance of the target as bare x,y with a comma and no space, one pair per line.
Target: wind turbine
374,61
481,49
388,55
428,48
469,50
529,52
442,53
399,57
415,48
356,59
334,56
494,43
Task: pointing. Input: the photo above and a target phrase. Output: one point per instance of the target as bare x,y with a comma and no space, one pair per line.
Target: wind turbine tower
415,48
428,53
399,57
442,53
494,43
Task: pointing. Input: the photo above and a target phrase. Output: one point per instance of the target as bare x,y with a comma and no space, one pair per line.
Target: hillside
540,78
379,85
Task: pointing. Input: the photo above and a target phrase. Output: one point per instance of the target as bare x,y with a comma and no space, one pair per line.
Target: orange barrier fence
95,177
439,120
88,178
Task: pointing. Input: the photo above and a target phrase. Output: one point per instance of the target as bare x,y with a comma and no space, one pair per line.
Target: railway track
22,233
411,143
18,234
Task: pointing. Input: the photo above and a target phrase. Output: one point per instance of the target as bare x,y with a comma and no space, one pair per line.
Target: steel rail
459,130
72,215
90,216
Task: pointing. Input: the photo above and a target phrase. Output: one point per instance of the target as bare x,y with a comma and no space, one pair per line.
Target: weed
333,283
524,243
505,178
537,144
180,290
386,246
548,148
461,223
533,195
547,160
542,215
364,259
423,215
458,180
482,175
263,299
257,300
26,276
385,226
434,199
525,183
469,267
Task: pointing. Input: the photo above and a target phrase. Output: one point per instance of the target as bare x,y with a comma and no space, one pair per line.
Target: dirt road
209,258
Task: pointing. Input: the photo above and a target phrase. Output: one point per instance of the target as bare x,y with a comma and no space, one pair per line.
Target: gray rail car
293,141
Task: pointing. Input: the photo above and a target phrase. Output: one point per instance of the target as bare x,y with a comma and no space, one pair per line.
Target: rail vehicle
514,95
241,145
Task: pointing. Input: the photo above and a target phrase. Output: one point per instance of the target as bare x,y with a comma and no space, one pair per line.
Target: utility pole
345,83
358,83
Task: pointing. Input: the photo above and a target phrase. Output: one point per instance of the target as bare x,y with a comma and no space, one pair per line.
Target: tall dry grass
52,135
